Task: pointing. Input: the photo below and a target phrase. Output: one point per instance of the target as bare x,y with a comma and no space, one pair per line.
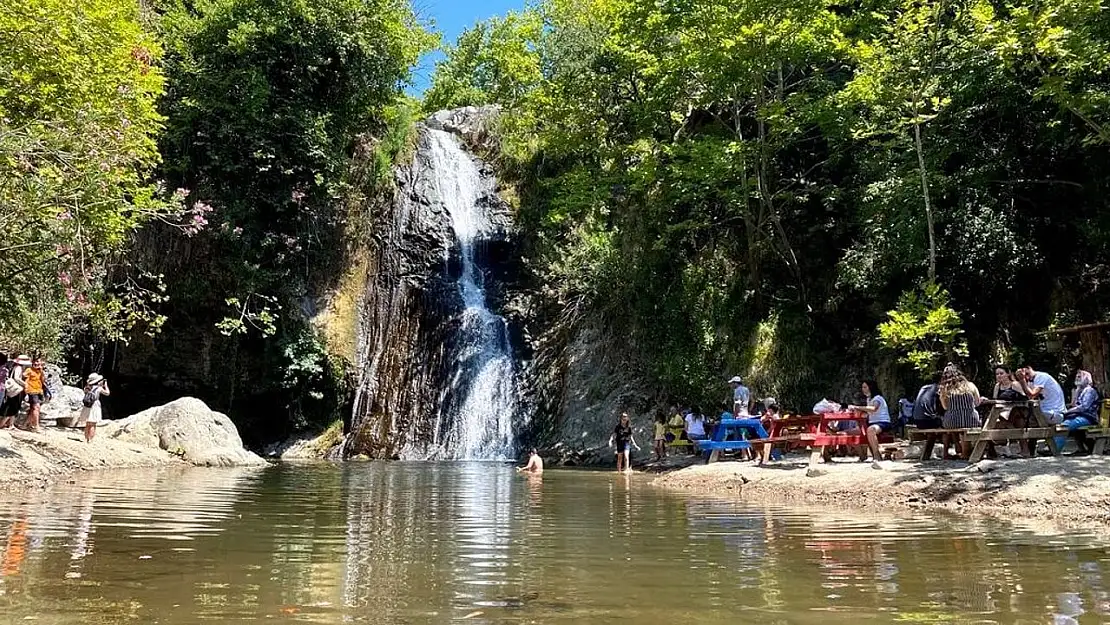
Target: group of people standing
24,381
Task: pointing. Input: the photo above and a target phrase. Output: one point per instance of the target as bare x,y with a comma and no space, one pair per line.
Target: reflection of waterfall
484,377
483,537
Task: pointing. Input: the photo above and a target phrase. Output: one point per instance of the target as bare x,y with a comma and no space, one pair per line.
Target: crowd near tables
760,432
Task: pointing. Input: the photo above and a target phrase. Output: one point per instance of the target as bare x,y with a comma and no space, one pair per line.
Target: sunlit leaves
77,145
924,329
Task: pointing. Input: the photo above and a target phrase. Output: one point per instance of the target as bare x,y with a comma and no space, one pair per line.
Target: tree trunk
1093,354
925,195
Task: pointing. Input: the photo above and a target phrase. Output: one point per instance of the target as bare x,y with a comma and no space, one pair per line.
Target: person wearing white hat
90,412
741,397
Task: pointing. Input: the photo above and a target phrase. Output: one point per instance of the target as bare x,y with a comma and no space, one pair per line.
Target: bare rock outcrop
188,428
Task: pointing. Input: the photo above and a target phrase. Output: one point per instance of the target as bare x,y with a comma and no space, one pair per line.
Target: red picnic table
795,431
824,438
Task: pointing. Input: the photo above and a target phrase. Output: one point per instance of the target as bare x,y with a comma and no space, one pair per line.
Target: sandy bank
30,459
1067,491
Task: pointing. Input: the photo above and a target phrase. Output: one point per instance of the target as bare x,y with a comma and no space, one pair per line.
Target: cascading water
484,376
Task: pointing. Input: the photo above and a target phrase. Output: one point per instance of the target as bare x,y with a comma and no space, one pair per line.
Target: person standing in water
622,437
90,411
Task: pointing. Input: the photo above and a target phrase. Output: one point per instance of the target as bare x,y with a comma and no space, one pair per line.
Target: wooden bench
822,439
1097,433
931,435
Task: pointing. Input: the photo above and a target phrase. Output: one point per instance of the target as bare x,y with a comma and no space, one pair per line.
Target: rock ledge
188,428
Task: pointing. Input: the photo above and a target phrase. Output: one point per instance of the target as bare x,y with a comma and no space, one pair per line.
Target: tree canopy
751,187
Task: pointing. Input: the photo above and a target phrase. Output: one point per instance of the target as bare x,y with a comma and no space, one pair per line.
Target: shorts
34,399
623,446
884,426
11,406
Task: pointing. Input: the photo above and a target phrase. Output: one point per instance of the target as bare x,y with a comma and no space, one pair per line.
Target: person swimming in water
535,464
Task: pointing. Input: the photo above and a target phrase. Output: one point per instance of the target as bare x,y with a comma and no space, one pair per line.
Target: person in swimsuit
622,438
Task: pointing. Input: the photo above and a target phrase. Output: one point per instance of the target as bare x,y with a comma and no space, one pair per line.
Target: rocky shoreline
183,432
1063,491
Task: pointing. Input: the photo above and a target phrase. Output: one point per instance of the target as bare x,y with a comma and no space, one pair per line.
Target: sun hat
770,401
95,378
23,360
735,380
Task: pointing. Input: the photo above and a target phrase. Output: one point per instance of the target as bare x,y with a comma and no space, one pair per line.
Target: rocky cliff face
412,307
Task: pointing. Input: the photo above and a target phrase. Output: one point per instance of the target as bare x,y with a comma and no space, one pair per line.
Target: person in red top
34,384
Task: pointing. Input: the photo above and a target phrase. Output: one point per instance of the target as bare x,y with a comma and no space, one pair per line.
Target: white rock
188,428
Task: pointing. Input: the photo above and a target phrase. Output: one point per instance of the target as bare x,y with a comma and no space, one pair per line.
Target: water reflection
436,543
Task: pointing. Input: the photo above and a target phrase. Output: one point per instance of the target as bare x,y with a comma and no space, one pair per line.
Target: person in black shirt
622,437
927,409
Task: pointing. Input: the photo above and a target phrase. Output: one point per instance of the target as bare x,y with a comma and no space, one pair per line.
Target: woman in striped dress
960,398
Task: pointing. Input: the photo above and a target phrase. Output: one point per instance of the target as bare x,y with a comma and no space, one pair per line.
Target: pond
477,543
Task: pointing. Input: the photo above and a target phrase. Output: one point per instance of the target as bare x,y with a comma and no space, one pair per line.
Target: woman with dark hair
622,437
1006,387
878,418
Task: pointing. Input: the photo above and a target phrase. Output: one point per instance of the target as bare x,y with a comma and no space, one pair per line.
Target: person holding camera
90,411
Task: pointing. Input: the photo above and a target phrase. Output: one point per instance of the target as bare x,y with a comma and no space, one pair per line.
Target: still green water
437,543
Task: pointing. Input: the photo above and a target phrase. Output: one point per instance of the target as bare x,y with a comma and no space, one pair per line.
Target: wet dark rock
411,308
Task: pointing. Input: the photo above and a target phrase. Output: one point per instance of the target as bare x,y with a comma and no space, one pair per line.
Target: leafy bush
924,330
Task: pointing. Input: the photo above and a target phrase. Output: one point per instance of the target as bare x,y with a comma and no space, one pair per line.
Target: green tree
78,130
266,101
492,61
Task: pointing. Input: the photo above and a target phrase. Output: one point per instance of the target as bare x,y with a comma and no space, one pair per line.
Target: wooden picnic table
823,438
731,435
990,433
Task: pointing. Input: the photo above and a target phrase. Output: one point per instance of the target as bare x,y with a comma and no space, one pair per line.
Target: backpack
12,387
90,397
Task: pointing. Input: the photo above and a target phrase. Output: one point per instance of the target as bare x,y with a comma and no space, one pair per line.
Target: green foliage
493,61
924,330
78,126
313,382
698,172
267,102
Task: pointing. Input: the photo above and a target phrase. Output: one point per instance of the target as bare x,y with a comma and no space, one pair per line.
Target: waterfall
483,373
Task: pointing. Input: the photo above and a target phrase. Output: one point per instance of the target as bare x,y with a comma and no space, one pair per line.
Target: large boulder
64,408
188,428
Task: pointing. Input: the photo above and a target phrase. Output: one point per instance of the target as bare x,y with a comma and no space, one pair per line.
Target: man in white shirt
1038,384
741,398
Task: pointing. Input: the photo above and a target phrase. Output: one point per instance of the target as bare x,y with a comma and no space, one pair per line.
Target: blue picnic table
731,435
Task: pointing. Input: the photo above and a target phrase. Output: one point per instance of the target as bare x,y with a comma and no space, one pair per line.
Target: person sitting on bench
926,408
960,398
878,419
1084,413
